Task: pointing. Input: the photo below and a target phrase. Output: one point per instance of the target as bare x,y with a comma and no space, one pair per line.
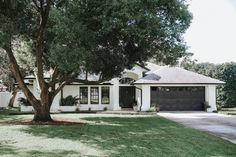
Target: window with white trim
83,95
94,95
105,95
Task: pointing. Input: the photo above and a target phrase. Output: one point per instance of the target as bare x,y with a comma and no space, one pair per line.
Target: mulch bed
56,121
74,112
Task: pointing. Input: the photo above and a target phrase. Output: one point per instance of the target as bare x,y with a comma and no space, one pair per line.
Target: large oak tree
102,37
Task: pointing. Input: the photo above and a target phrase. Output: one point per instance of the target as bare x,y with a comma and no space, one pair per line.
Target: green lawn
228,111
109,135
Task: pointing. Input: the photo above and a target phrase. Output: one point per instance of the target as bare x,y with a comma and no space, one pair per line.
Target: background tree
70,38
24,59
226,95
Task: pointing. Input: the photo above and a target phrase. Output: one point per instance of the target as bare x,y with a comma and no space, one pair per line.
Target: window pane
94,95
83,95
105,95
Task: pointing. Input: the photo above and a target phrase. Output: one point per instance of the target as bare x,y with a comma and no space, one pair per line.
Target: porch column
56,102
115,95
146,99
210,97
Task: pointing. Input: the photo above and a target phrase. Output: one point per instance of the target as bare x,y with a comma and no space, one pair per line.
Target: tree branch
86,81
36,5
61,86
55,73
56,79
44,13
101,76
16,70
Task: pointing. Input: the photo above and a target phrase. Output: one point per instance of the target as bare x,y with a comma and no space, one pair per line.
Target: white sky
212,34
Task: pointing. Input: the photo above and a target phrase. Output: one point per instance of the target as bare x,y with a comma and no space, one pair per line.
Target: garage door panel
178,98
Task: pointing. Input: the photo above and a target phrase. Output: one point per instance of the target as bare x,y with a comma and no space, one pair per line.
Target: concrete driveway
220,125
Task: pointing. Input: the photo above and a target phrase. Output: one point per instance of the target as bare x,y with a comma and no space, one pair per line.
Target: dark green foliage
105,109
69,101
227,93
16,18
98,35
24,102
93,36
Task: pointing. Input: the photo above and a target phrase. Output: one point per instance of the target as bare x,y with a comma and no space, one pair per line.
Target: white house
4,96
171,88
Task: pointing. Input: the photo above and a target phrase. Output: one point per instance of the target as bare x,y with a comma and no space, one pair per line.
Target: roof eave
179,83
142,66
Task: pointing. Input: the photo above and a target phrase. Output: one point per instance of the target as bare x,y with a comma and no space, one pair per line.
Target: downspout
37,82
141,103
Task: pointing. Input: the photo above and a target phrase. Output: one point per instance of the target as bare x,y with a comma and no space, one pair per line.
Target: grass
110,135
228,111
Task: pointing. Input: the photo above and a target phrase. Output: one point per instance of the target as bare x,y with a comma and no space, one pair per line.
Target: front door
127,96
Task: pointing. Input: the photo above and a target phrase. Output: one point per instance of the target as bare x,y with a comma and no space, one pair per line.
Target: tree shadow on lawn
11,151
7,150
139,136
6,115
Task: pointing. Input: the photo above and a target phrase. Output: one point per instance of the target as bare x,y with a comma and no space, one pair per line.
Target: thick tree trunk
42,115
43,112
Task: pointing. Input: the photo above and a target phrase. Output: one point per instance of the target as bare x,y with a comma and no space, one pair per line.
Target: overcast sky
212,34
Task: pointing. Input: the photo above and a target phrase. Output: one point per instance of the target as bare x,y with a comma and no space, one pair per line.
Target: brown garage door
178,98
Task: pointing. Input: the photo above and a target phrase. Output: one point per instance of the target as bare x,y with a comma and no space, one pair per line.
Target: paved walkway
220,125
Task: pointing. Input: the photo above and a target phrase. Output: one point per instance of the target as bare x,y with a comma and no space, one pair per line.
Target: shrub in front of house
105,109
206,105
69,101
151,109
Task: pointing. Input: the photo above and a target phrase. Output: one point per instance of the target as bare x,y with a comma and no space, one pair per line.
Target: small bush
77,109
206,105
135,103
24,101
105,109
69,101
151,109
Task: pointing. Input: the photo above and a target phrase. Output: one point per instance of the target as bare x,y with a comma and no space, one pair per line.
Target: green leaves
129,31
97,35
227,93
6,29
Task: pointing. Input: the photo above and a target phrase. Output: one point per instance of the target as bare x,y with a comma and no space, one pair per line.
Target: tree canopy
82,36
